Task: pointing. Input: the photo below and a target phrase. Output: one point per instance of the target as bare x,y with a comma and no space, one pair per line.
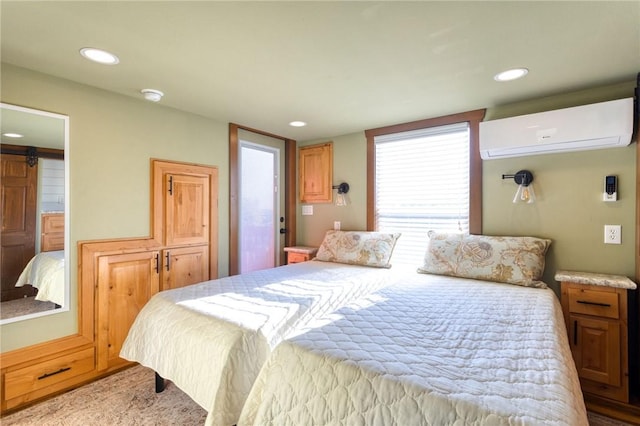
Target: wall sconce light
525,192
341,199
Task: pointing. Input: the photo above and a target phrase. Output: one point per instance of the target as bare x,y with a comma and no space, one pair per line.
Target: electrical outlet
612,234
336,225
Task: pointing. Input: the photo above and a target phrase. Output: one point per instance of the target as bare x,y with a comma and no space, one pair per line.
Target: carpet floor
128,398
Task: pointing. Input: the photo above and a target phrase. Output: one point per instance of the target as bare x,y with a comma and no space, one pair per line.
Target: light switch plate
307,210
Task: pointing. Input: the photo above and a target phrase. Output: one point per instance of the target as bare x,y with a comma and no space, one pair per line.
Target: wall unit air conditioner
595,126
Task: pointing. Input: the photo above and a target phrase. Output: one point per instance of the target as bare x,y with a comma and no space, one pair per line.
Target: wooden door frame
234,206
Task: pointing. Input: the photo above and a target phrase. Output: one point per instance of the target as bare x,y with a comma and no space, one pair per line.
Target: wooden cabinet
27,383
315,167
182,266
116,278
125,283
179,253
297,254
185,211
596,318
52,231
35,372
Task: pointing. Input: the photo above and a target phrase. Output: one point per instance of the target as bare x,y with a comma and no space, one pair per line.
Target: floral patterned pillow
513,260
358,248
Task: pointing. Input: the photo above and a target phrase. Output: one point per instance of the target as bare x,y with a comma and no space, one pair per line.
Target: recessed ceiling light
297,124
152,95
100,56
13,135
511,74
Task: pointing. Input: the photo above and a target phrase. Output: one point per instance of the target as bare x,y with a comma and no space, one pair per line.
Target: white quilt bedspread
45,271
211,339
428,351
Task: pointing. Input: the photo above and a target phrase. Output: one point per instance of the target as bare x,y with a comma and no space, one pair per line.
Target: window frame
475,162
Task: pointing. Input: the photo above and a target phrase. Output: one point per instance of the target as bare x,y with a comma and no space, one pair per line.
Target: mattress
211,339
428,350
45,271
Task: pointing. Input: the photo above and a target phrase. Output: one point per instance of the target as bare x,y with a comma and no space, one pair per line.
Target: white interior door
260,205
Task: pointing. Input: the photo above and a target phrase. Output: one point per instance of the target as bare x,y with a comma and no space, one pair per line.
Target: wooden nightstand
297,254
595,313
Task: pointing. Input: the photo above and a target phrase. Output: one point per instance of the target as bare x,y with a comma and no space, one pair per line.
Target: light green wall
350,166
569,187
112,139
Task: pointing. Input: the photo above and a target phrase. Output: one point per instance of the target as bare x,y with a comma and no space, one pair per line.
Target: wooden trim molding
290,147
475,167
234,207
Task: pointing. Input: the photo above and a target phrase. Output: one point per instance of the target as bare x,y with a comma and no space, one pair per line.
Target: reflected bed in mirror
35,187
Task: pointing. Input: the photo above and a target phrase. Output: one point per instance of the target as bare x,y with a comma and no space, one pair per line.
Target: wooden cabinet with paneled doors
125,283
315,167
179,253
182,266
185,221
52,231
595,311
126,280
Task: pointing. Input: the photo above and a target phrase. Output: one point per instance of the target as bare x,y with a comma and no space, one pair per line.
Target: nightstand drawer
52,222
593,302
35,377
297,257
297,254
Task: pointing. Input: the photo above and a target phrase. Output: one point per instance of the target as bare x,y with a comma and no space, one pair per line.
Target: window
422,176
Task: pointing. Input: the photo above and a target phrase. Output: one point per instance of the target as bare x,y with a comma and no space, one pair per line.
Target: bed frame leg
159,383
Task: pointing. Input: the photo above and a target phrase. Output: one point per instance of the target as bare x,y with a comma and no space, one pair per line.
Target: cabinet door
315,165
125,283
18,217
186,209
184,266
595,344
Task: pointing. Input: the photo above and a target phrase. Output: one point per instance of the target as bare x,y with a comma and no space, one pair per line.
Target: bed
211,339
45,271
446,346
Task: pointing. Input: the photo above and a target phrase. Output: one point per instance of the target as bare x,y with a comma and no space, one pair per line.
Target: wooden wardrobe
117,277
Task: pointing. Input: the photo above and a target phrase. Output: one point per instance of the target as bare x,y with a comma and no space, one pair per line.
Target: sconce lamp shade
341,199
525,194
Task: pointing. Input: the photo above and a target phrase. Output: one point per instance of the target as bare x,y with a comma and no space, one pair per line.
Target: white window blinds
422,183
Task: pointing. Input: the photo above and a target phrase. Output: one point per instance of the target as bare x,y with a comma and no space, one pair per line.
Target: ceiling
41,130
342,67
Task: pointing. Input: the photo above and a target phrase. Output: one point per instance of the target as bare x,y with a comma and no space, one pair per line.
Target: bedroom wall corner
349,165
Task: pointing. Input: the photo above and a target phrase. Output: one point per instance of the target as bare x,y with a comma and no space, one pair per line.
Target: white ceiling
340,66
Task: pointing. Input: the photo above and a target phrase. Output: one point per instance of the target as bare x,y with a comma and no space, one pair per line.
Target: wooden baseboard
629,413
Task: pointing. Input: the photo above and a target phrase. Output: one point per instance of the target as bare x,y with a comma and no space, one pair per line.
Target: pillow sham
512,260
358,248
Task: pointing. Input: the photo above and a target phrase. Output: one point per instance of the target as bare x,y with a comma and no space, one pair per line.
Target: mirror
34,270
